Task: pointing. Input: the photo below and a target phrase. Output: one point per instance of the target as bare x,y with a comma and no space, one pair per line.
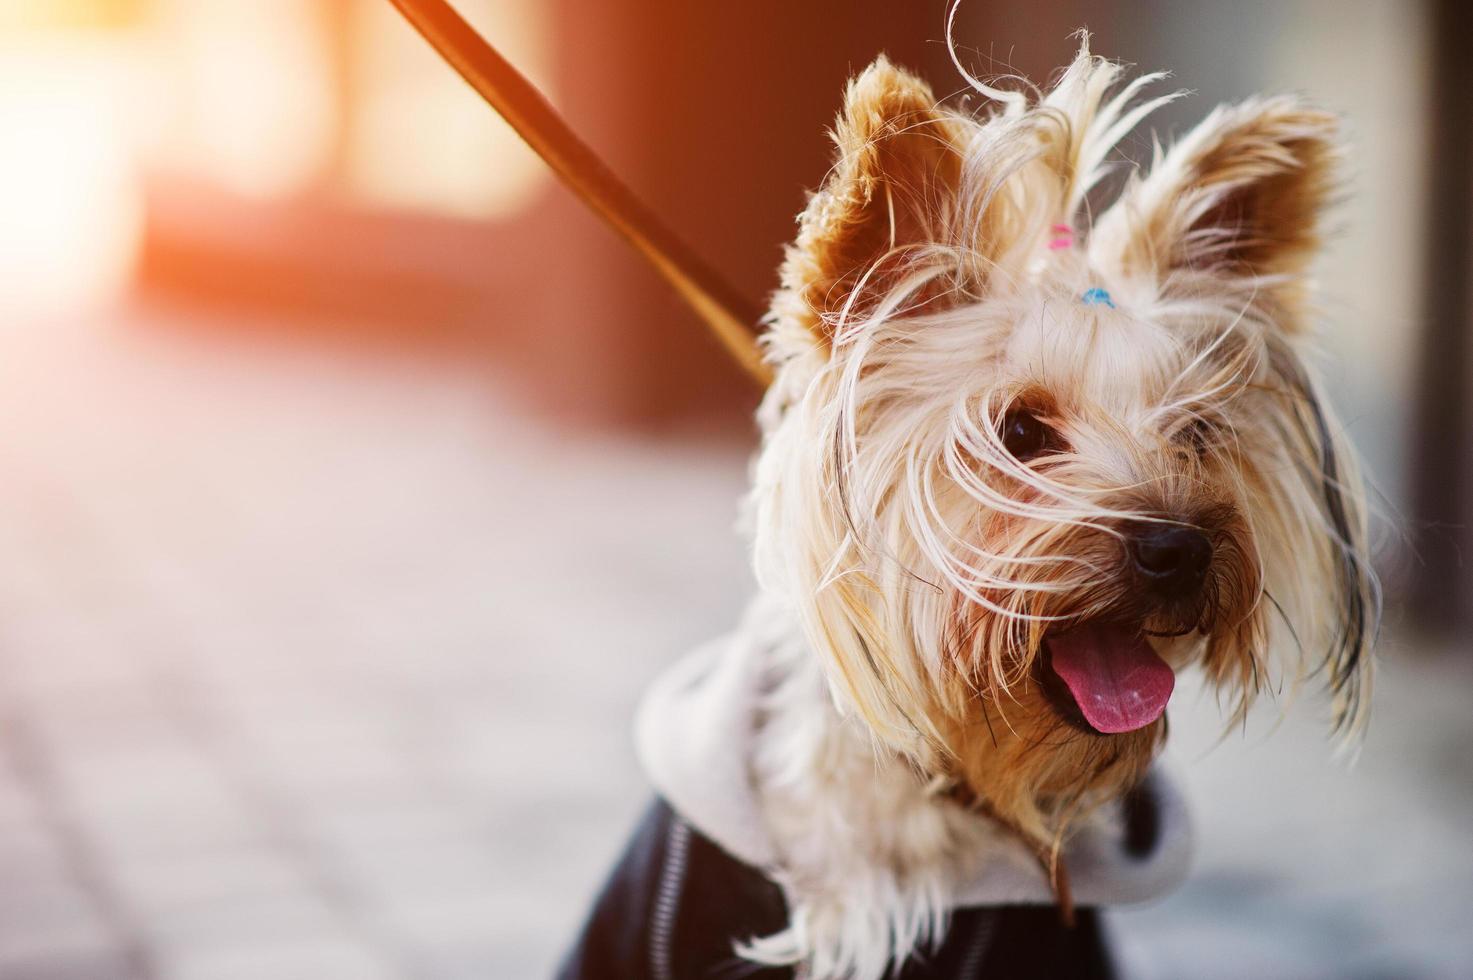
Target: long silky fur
913,567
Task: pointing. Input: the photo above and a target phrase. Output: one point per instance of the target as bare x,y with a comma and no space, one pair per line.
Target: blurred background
354,481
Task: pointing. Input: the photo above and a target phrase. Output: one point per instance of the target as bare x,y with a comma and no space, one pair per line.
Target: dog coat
690,884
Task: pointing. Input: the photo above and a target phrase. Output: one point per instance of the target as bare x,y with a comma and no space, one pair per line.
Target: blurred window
270,98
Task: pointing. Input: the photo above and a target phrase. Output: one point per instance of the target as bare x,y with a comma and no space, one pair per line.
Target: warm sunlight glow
69,196
253,90
423,139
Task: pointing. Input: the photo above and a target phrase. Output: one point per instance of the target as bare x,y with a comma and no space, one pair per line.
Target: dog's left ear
1241,195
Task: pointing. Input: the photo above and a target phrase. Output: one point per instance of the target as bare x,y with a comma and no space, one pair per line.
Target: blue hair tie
1095,296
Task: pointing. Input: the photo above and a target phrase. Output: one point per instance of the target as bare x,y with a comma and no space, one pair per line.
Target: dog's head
1020,467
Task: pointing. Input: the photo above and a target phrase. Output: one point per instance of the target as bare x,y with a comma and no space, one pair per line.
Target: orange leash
517,100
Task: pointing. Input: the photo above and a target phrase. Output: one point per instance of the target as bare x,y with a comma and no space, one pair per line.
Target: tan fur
1242,195
1025,766
923,565
896,155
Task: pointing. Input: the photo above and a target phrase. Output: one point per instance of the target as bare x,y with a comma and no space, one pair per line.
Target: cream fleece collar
694,736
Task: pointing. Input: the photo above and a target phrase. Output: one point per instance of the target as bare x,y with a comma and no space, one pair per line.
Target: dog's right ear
897,170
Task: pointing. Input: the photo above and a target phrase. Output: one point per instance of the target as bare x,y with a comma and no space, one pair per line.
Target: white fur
882,459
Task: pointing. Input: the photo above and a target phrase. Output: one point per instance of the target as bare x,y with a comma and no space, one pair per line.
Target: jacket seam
971,965
667,900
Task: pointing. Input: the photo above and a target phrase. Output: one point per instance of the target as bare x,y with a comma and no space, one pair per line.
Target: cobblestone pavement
316,668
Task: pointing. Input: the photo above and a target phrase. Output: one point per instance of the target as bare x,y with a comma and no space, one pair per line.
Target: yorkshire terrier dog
1025,459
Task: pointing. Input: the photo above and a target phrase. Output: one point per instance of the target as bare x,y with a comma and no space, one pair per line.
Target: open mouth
1106,676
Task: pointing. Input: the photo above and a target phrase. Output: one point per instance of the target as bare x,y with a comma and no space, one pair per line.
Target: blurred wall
716,117
314,160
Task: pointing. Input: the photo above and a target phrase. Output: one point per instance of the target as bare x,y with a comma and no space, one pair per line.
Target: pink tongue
1116,678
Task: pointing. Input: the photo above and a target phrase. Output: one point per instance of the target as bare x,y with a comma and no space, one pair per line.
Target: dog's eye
1025,436
1198,435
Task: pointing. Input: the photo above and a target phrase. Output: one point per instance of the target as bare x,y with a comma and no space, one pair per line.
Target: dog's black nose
1171,559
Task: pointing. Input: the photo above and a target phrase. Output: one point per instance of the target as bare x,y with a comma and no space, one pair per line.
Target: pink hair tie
1063,237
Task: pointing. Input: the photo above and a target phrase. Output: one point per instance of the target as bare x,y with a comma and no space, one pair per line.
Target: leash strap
517,100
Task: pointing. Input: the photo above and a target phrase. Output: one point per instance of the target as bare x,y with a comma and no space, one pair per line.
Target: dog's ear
1241,196
897,169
